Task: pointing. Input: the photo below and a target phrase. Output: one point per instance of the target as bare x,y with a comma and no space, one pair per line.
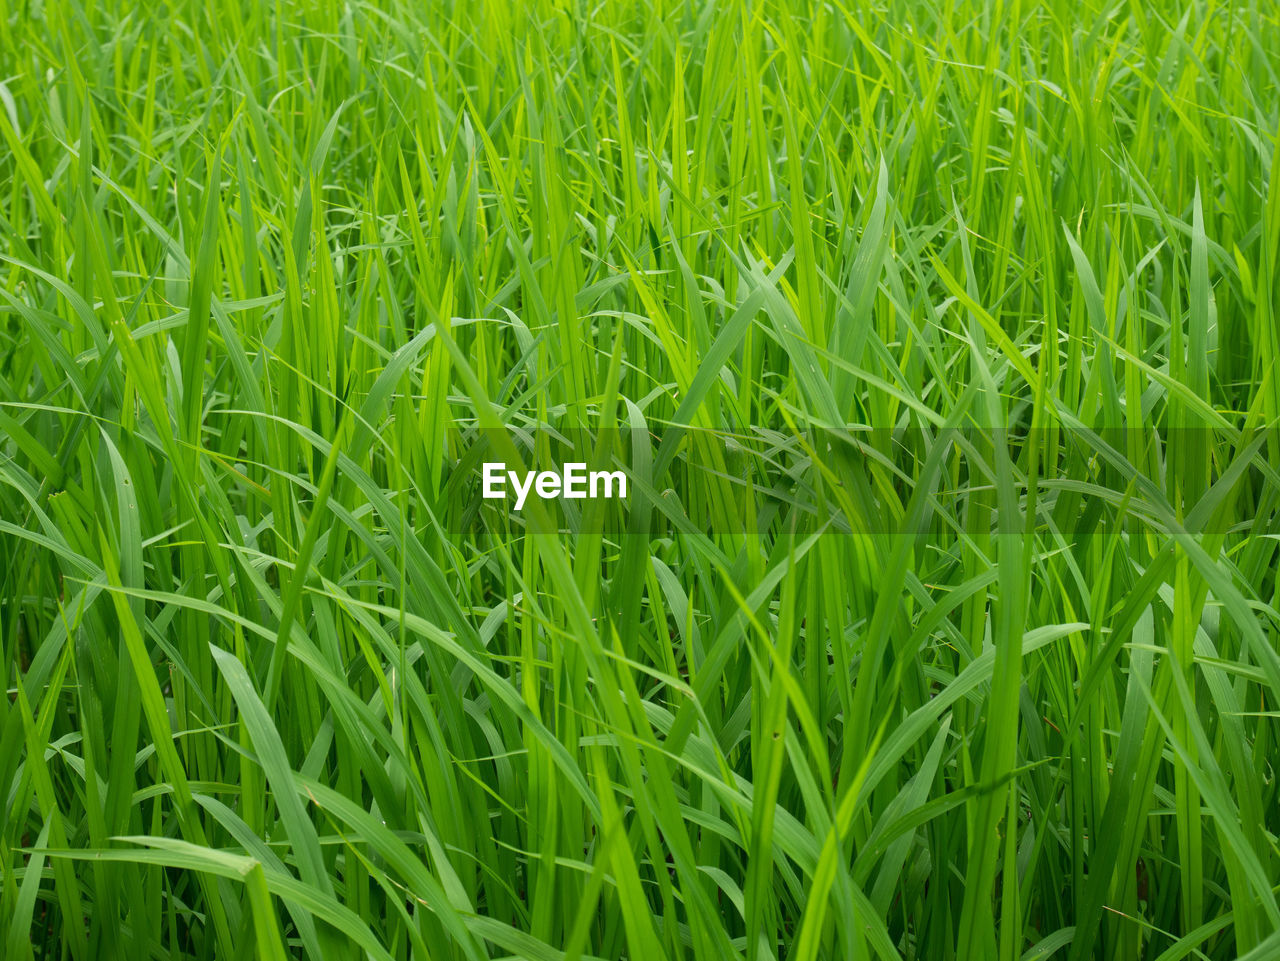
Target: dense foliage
1000,683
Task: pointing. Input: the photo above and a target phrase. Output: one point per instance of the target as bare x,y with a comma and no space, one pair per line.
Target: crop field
935,344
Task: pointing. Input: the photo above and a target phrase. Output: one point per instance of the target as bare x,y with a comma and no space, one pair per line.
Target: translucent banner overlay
862,480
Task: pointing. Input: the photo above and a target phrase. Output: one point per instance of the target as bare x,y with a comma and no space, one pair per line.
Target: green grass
1000,680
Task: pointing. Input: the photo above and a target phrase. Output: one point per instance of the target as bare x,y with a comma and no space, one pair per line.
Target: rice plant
936,344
